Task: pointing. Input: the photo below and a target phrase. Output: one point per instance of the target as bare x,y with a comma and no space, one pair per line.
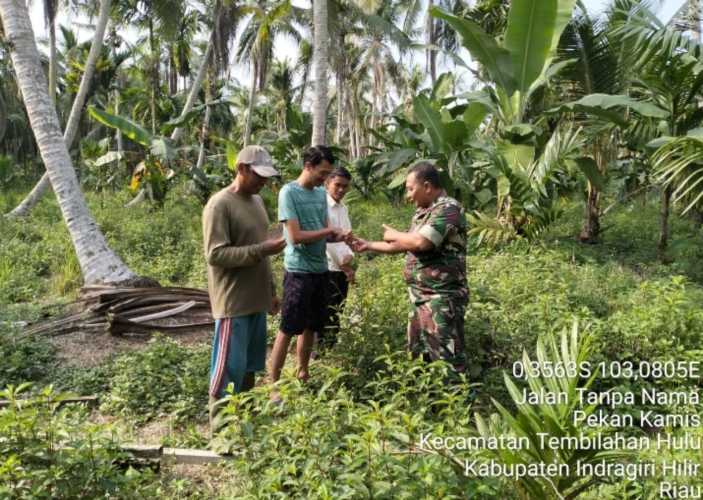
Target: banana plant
523,62
528,190
439,128
152,172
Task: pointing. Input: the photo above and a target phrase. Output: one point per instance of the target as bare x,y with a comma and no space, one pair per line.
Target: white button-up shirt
338,216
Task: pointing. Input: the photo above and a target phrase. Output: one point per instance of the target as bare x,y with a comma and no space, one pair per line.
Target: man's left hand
275,306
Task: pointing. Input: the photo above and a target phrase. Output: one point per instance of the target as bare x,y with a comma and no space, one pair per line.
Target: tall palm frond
589,44
680,164
646,37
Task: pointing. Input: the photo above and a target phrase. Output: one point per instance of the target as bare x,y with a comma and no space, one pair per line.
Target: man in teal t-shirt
302,208
309,208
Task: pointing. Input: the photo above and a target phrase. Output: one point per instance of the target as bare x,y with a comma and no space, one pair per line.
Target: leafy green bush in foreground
164,378
23,358
53,452
323,444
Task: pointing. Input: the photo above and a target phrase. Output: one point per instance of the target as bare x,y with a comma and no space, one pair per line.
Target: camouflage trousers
436,331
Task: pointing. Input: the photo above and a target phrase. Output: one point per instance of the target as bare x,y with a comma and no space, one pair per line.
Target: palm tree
281,93
269,19
162,19
179,51
99,264
16,139
303,65
225,20
51,8
379,39
591,46
42,186
320,56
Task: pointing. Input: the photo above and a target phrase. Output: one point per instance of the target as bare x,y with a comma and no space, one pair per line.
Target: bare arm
299,236
394,242
409,242
387,247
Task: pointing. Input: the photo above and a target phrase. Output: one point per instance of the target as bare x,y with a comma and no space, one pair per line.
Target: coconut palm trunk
99,264
340,105
664,222
30,201
200,76
53,72
252,101
591,224
205,128
431,54
590,230
320,57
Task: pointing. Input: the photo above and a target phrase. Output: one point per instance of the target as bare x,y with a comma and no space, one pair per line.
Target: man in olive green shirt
240,284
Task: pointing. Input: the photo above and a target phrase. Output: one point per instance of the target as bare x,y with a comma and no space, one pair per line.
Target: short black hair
315,154
426,172
340,172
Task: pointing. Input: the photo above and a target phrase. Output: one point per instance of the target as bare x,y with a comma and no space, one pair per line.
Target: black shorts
304,305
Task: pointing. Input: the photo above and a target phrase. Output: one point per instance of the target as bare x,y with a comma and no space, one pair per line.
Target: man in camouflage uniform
435,267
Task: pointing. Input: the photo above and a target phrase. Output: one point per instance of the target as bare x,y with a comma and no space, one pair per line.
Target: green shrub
84,380
323,443
163,378
374,318
47,451
24,358
660,320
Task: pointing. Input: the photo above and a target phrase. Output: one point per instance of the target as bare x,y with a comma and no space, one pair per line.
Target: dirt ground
90,348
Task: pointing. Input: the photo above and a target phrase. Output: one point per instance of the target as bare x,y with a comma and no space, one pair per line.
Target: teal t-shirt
309,208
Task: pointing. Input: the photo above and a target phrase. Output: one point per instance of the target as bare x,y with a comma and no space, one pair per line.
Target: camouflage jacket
442,270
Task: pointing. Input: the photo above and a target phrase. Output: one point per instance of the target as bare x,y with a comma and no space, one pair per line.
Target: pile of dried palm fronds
129,311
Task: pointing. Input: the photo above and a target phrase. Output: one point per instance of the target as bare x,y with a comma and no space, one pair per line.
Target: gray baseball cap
259,160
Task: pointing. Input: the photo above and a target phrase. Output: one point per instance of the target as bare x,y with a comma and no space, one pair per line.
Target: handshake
340,235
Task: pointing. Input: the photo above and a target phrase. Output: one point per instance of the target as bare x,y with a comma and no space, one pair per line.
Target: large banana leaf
431,119
397,159
455,135
607,106
130,129
495,59
516,155
531,25
108,157
607,101
473,116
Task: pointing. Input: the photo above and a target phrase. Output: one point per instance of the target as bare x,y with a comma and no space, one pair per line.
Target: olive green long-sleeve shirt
239,275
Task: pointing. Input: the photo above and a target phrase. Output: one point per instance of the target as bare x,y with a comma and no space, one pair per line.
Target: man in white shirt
339,255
